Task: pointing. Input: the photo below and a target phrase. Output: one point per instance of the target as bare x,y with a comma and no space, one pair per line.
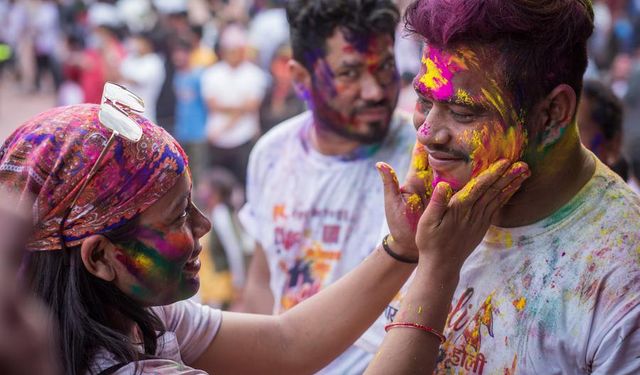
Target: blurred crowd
214,73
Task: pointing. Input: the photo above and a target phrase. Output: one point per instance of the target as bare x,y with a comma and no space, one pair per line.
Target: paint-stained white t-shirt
190,328
561,296
316,216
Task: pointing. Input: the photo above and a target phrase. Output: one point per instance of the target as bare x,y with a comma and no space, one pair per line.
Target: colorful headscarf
46,160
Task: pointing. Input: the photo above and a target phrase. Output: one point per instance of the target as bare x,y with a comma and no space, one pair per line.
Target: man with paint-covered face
315,203
554,285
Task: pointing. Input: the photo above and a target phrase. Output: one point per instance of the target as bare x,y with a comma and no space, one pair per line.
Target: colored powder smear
520,304
440,68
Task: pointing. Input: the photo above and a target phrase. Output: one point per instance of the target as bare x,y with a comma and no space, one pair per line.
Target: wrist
443,273
399,253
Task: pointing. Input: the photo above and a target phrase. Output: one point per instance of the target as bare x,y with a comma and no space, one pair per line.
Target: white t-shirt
190,328
634,185
146,75
317,217
233,87
561,296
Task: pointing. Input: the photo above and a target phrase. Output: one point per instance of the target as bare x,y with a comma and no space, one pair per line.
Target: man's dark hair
605,108
312,22
541,44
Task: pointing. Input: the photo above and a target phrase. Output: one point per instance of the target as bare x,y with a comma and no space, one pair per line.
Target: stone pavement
17,106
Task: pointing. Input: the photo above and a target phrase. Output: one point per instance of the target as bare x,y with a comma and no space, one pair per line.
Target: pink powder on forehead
440,68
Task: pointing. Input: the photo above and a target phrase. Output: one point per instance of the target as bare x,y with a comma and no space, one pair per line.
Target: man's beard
333,121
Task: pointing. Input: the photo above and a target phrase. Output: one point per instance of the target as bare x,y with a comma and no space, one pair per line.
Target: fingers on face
506,187
420,176
479,185
439,202
486,194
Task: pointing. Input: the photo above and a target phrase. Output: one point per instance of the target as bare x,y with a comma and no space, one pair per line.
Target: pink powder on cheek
172,245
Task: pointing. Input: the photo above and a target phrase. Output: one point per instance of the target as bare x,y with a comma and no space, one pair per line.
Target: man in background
315,202
233,89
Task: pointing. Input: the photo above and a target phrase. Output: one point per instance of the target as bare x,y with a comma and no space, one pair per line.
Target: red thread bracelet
416,326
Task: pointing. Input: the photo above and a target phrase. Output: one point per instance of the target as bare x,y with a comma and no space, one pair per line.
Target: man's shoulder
618,199
283,135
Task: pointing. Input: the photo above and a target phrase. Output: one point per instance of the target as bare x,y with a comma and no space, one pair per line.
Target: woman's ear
97,255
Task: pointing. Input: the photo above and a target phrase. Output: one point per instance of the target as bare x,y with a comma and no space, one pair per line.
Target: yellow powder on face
420,161
496,101
493,142
143,261
419,310
520,304
465,58
433,78
464,97
427,177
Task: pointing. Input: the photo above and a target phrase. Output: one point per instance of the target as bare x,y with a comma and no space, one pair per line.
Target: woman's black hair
91,314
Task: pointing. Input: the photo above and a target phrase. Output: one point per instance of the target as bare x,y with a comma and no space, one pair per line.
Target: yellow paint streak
508,239
464,194
419,310
143,261
509,115
464,97
520,304
420,159
493,142
433,78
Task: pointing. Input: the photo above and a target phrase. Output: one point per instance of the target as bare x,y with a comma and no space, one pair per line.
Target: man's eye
391,64
349,74
424,106
463,117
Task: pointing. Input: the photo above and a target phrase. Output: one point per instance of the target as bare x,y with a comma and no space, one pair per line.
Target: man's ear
97,255
558,112
301,78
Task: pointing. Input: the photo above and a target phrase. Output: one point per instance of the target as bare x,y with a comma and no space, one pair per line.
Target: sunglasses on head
116,106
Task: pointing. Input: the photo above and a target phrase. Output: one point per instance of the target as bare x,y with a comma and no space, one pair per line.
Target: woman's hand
405,205
453,225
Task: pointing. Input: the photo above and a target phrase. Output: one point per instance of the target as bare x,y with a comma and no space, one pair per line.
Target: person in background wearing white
313,204
142,71
46,27
233,89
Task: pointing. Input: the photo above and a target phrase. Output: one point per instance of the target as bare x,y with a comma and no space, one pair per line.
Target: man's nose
370,88
433,131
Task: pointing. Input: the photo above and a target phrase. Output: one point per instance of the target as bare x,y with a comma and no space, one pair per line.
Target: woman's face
160,265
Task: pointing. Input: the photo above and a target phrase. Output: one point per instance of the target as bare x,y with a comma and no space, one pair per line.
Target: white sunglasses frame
116,106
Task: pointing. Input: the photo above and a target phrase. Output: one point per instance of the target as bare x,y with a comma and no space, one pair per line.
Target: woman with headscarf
114,254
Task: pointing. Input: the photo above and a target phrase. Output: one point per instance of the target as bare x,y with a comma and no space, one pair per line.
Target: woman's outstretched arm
309,336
